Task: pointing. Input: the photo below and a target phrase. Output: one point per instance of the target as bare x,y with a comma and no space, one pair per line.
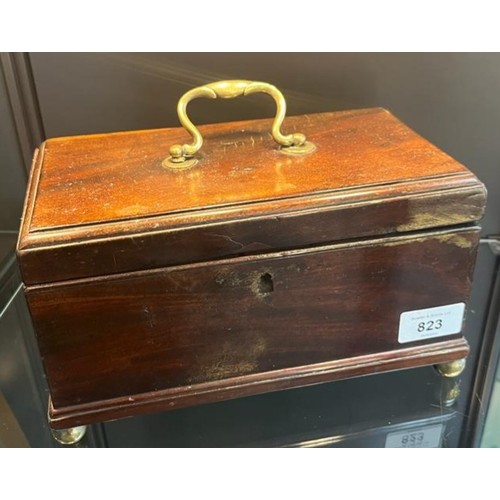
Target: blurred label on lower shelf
423,437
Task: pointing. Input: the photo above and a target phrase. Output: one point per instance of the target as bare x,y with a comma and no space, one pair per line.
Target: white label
425,437
432,322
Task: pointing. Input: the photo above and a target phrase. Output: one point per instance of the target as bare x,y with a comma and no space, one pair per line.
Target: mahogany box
244,266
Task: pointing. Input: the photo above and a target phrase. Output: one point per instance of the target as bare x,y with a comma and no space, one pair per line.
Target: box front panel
125,335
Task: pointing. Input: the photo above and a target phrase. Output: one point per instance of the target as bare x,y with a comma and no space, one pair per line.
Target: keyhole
266,285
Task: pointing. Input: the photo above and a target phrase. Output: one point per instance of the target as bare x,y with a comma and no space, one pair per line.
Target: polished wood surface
210,392
103,204
105,178
122,336
152,289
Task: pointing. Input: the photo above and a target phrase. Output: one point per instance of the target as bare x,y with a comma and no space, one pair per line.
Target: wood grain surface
152,289
213,322
211,392
103,204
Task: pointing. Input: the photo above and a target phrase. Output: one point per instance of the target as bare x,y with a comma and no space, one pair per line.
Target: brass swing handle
228,89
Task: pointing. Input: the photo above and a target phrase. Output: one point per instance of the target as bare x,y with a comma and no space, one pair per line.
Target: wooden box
154,287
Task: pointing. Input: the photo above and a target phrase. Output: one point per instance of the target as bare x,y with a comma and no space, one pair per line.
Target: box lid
103,204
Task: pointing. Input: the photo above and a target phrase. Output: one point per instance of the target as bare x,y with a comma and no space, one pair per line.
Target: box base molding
437,353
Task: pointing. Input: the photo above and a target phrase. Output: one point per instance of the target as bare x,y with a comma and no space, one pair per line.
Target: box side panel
86,252
223,321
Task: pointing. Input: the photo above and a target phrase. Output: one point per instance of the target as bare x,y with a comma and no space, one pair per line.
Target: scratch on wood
455,239
228,238
450,238
423,220
180,284
237,356
149,317
132,239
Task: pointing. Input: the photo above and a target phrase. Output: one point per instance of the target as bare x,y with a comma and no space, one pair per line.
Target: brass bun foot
69,436
451,369
450,391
